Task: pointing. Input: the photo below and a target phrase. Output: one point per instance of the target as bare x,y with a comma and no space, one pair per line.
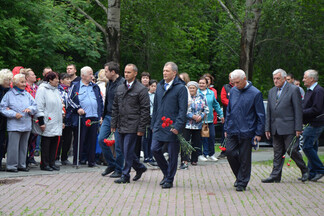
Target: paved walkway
206,189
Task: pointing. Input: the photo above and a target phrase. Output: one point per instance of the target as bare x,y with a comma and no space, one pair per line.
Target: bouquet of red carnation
222,147
76,93
110,141
185,145
88,123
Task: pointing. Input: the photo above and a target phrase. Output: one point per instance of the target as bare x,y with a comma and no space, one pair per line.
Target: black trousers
239,154
195,138
281,143
138,147
48,150
65,144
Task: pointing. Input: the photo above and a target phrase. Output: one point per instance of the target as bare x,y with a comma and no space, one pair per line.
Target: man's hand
268,134
140,133
18,115
81,111
42,127
225,134
26,110
223,120
175,131
101,121
63,126
113,130
298,133
257,138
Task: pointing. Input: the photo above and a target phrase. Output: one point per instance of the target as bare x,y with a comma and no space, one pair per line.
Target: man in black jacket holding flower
171,101
130,114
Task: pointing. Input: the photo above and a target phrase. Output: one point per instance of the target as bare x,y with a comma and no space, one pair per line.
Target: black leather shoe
167,185
139,173
235,184
23,169
317,177
163,181
56,168
240,188
108,170
12,170
83,162
116,174
304,177
270,180
93,165
46,168
122,180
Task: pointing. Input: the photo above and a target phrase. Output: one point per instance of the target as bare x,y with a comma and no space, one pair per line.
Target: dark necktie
278,94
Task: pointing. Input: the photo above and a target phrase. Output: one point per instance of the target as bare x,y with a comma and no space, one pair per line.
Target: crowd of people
64,113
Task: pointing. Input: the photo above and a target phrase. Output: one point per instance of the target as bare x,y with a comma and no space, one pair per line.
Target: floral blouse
198,106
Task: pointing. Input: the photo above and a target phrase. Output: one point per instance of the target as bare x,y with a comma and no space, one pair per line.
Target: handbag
205,129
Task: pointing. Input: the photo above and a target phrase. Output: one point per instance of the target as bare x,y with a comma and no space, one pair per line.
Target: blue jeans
209,142
310,148
104,134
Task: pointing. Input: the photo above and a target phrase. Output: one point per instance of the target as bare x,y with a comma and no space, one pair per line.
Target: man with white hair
283,123
85,102
244,126
313,116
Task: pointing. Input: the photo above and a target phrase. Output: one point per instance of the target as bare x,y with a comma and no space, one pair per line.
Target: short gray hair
134,67
85,70
312,73
281,71
173,65
5,74
238,73
17,77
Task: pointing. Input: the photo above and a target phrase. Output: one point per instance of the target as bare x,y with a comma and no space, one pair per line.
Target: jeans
104,134
310,148
209,142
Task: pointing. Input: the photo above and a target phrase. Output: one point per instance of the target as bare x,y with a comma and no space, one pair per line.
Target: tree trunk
248,35
113,31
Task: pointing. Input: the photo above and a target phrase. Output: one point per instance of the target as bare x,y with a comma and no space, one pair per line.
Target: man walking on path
313,115
130,115
244,125
171,101
283,123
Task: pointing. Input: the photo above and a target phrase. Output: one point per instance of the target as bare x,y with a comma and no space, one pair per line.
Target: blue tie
165,86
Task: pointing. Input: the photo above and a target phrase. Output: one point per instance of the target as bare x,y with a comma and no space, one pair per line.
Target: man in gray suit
283,122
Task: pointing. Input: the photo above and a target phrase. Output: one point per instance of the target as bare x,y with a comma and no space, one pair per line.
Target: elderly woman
18,106
197,110
50,119
209,143
5,80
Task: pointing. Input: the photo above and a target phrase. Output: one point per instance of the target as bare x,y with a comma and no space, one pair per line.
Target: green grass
292,163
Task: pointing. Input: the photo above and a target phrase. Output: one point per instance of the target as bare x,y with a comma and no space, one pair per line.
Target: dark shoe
23,169
46,168
83,162
56,168
139,173
240,188
304,177
93,165
194,163
317,177
122,180
12,170
116,174
167,185
235,184
108,170
221,156
66,162
270,180
163,181
183,166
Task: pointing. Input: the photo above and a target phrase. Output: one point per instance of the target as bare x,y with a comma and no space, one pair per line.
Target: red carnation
171,122
163,118
38,79
163,125
167,120
224,149
220,147
88,123
288,164
77,93
49,118
283,156
290,160
36,121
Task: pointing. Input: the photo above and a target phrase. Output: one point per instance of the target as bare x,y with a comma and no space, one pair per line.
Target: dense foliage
197,35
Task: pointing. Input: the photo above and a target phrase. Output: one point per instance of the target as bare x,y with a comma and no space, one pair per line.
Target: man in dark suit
283,122
313,114
130,114
171,101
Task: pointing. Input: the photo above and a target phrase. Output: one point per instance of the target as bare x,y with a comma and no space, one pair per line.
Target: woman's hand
18,115
27,110
42,128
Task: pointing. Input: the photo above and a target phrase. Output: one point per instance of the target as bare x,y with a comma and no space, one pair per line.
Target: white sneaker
202,158
213,158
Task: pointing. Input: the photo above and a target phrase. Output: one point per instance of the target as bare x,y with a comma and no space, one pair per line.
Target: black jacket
110,94
3,119
131,108
313,107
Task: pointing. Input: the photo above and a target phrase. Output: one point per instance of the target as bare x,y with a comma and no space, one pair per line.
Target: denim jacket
198,106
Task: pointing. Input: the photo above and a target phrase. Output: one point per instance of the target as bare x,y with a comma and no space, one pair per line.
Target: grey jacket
284,116
131,108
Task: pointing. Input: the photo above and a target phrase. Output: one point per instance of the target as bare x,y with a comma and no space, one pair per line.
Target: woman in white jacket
50,119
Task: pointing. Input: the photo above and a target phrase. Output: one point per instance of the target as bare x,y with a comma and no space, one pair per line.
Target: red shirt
31,89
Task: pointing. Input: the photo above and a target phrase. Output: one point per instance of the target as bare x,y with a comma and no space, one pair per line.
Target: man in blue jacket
244,125
171,101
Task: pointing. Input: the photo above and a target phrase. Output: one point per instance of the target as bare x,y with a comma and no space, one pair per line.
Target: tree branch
102,6
231,48
236,21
